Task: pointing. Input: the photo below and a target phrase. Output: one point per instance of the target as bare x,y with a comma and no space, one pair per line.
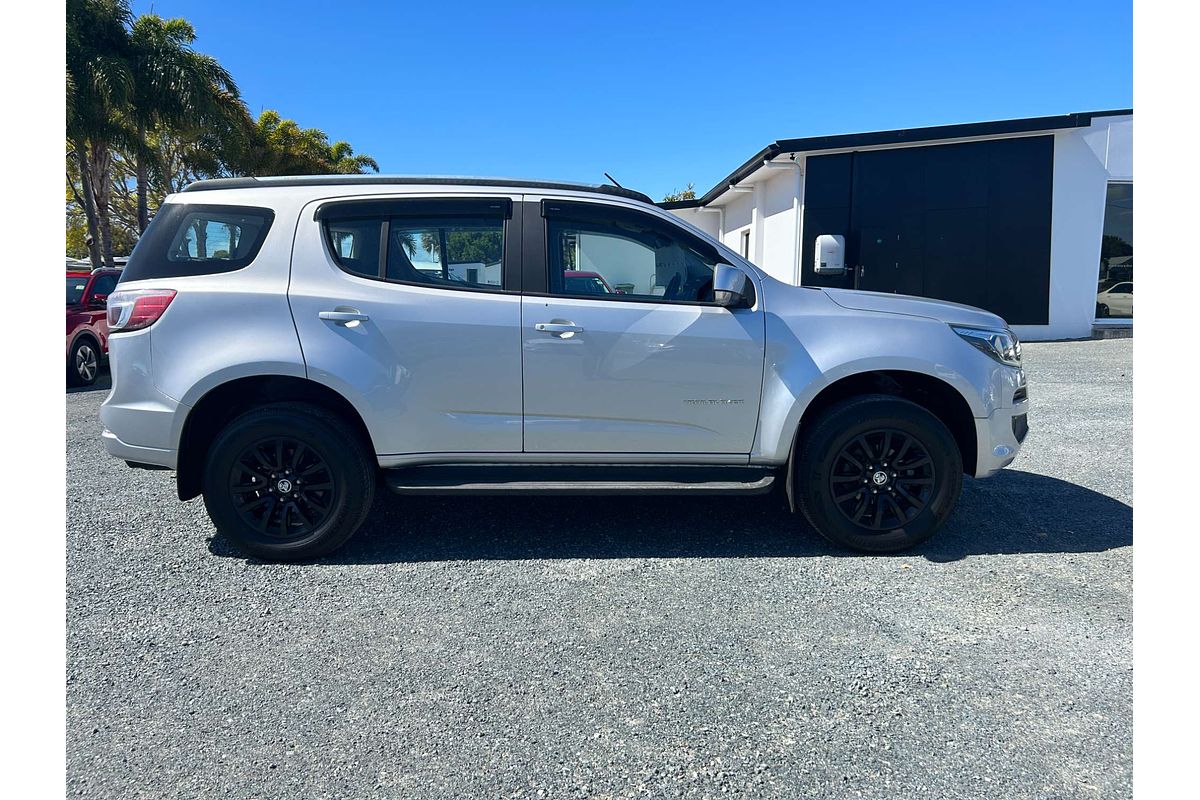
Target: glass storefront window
1114,292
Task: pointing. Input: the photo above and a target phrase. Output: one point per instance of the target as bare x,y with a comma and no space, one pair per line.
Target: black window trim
548,209
387,209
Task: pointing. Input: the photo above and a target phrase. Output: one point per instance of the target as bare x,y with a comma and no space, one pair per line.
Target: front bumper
999,438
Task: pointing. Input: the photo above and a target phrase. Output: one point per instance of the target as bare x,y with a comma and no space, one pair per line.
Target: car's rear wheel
83,363
878,474
288,481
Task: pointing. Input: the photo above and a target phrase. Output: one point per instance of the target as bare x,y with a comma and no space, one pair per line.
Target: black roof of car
409,180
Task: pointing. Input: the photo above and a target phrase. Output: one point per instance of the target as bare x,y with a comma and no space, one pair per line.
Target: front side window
1114,291
619,254
104,285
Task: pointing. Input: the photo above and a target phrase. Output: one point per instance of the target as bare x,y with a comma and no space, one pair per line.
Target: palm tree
174,88
99,86
343,161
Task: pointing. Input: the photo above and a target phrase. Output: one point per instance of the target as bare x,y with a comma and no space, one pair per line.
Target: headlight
1002,345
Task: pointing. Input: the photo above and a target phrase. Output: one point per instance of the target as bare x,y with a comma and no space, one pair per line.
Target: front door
407,308
624,350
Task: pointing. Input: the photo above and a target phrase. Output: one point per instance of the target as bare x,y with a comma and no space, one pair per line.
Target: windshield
76,284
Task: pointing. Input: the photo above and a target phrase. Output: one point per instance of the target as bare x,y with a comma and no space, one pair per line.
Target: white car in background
1115,301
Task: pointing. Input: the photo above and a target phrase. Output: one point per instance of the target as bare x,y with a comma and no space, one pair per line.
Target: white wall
618,260
1085,160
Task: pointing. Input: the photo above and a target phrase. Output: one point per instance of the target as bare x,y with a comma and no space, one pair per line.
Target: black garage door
963,222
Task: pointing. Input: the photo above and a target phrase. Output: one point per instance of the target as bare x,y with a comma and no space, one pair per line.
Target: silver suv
285,343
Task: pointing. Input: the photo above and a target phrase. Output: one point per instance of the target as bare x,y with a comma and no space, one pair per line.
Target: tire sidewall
837,429
73,376
341,453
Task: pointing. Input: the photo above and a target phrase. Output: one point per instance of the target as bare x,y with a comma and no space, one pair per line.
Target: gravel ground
660,647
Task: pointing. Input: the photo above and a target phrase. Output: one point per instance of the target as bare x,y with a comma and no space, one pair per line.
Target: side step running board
567,480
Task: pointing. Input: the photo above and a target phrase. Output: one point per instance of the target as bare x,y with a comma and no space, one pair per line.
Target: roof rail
408,180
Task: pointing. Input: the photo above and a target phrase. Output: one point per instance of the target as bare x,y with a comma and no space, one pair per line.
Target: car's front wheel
83,363
878,474
288,481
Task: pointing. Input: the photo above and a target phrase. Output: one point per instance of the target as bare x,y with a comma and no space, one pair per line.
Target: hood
884,303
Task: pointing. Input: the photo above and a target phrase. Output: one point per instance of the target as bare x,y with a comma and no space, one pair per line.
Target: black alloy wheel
282,488
877,473
882,479
288,481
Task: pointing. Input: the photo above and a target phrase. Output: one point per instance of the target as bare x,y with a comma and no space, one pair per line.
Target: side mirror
732,288
99,301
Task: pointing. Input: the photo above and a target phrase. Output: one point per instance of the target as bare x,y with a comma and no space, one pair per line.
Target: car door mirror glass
732,288
99,301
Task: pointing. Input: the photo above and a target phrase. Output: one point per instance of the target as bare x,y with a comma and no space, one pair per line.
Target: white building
1009,216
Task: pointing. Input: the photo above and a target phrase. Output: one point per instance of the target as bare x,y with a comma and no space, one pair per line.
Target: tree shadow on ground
1013,512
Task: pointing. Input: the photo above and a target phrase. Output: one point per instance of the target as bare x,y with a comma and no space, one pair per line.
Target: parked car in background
1115,301
277,343
581,282
87,322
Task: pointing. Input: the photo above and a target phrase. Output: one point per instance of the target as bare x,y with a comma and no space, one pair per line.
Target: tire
83,362
1101,310
328,470
826,474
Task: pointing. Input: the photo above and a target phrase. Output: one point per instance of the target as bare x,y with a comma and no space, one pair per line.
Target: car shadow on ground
1013,512
103,384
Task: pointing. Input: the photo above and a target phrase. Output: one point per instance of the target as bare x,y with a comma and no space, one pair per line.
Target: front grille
1020,425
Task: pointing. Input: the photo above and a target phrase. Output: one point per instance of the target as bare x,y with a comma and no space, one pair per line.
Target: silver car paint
641,377
432,370
420,404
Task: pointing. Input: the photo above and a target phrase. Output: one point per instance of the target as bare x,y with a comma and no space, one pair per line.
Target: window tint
189,239
632,255
76,285
459,251
104,285
354,243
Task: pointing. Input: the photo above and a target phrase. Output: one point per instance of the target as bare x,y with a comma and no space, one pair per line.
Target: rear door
411,309
649,366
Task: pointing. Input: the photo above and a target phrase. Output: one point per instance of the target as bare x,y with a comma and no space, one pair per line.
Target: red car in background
87,322
580,282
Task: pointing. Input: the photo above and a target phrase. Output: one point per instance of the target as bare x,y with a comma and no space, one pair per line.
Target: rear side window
451,243
452,252
355,244
189,239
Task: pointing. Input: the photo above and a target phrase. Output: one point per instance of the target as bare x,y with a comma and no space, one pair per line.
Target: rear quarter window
191,239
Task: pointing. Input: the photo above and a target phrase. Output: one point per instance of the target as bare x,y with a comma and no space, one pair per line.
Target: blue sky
656,93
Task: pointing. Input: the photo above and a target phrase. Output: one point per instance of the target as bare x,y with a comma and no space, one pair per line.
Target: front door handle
558,328
342,317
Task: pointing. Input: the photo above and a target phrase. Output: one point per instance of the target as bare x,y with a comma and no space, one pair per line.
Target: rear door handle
557,327
343,317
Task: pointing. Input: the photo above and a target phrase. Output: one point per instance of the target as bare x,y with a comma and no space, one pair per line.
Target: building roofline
407,180
851,141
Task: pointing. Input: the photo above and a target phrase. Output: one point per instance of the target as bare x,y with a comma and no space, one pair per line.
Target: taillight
135,309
